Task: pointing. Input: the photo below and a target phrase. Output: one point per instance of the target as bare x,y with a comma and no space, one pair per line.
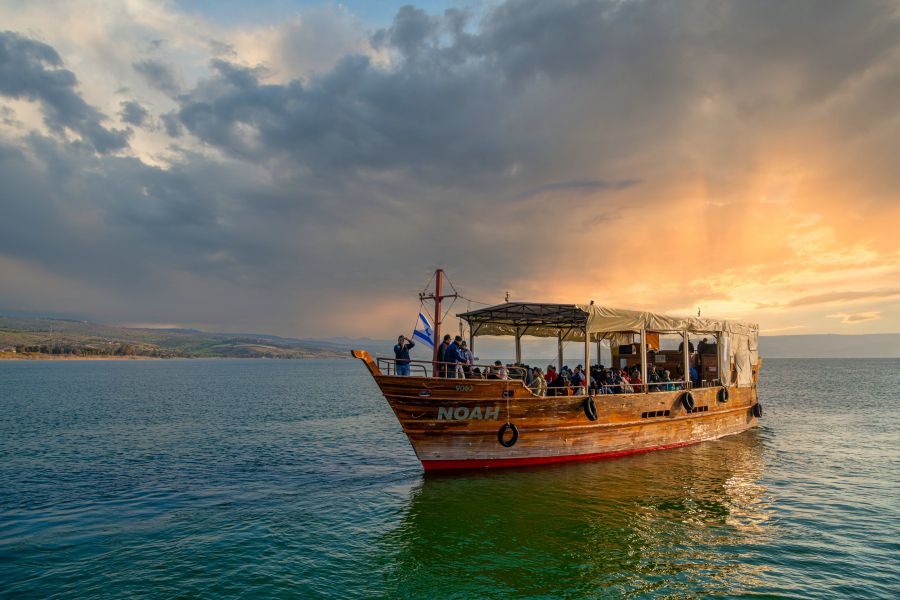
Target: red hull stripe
455,465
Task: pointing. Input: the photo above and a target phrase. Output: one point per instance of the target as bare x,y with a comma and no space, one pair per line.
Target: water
292,479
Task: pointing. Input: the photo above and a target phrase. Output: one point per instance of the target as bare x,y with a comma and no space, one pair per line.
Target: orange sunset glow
305,175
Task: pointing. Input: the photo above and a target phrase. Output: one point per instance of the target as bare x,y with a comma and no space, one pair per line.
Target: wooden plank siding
434,415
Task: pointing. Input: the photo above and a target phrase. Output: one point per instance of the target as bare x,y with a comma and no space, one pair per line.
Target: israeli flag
424,332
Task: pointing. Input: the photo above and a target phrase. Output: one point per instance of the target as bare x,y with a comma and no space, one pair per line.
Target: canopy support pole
686,359
559,353
587,362
518,345
644,359
719,358
598,351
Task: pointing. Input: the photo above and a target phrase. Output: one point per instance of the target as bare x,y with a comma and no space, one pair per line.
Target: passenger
695,377
529,375
602,376
441,355
635,381
551,374
653,380
594,376
476,373
498,371
466,360
578,381
451,357
538,383
614,379
502,372
626,384
401,355
558,387
667,382
690,347
701,347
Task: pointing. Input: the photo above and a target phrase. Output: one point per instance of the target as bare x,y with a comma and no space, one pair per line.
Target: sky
301,168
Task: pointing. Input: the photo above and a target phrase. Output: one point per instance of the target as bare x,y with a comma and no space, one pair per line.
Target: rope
446,312
433,275
507,397
475,301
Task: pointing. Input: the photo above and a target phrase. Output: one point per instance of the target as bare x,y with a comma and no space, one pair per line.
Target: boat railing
423,368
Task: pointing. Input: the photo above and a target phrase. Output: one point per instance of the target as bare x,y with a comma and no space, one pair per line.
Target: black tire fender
687,400
757,410
590,408
722,394
502,432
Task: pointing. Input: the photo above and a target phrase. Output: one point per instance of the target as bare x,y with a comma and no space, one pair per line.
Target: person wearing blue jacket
452,358
401,355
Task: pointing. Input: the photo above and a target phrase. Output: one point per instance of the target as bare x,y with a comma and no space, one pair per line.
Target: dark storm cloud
368,174
171,124
543,88
34,71
133,113
158,75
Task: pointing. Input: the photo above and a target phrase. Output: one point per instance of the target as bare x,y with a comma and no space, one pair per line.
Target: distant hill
875,345
71,337
67,336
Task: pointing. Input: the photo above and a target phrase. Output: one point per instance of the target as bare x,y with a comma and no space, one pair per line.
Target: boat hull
454,423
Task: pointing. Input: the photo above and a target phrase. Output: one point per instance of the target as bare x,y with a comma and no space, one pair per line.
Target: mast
437,296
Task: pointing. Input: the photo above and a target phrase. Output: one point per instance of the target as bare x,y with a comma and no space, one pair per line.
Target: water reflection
675,522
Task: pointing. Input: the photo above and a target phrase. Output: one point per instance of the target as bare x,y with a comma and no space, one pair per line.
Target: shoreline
39,356
10,356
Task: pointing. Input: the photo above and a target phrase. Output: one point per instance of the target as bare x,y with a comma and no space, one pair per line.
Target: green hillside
65,337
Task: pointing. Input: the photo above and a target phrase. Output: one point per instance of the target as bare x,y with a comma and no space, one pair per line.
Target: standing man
451,357
702,346
401,355
442,356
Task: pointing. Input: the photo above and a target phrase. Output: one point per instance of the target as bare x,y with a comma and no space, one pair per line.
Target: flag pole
437,296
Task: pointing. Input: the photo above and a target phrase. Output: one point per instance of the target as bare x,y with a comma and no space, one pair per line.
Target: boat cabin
727,351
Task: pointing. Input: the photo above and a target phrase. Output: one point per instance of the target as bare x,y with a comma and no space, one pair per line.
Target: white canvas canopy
570,322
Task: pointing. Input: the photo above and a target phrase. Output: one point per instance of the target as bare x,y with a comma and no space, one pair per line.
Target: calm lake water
291,479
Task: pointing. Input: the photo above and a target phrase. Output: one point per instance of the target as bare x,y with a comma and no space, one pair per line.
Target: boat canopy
571,322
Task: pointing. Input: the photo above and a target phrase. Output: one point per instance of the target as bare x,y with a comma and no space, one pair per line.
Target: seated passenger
538,384
498,371
577,381
551,374
558,387
636,383
695,377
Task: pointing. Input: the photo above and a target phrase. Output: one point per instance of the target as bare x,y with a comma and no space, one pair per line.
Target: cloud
171,124
673,156
34,71
838,297
133,113
860,317
158,75
584,185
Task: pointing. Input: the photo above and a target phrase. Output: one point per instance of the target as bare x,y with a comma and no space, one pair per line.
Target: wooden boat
477,423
